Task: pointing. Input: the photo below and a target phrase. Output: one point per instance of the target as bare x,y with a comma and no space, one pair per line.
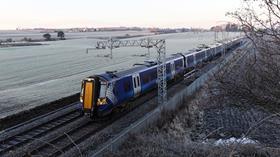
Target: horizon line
34,28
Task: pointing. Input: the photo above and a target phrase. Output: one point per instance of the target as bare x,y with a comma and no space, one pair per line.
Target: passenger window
168,68
179,64
146,78
138,82
134,82
127,86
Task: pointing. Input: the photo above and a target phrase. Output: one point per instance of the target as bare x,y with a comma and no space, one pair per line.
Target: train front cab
89,95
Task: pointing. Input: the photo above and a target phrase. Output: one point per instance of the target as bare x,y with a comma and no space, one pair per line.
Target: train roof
110,75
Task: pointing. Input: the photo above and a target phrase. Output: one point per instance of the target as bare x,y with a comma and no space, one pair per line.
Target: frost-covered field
31,76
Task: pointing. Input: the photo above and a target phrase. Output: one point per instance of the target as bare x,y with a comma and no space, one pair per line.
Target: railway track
62,143
36,128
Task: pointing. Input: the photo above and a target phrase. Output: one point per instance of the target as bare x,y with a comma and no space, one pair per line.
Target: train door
205,55
136,84
172,67
194,59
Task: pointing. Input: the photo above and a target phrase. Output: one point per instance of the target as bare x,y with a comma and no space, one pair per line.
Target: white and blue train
101,94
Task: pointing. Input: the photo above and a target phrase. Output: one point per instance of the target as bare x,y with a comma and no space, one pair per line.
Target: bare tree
47,36
255,78
61,35
260,20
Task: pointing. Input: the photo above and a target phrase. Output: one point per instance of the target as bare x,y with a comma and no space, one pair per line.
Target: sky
113,13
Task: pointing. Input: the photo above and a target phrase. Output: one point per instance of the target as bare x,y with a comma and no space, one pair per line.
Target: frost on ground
202,128
234,140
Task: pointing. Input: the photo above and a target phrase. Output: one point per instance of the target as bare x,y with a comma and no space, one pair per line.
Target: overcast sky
107,13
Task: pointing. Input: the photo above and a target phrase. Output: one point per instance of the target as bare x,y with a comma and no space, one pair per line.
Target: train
102,93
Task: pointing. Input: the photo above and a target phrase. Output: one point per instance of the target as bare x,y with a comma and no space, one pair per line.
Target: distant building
229,27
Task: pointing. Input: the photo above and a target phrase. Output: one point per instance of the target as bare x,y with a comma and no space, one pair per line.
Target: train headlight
81,98
82,93
101,101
